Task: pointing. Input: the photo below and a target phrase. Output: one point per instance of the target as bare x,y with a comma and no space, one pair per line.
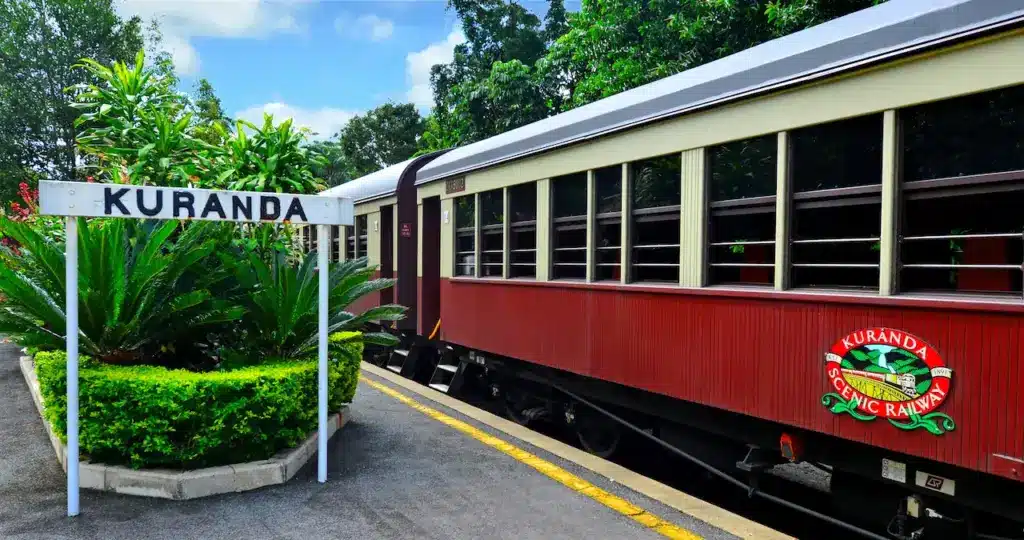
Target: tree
616,45
503,42
39,42
383,136
556,22
438,134
207,114
334,169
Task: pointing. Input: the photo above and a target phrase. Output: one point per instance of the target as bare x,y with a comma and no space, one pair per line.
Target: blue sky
317,62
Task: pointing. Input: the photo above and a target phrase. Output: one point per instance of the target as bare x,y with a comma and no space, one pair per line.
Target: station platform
407,465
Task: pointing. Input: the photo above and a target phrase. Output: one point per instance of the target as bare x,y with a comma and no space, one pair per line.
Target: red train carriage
812,248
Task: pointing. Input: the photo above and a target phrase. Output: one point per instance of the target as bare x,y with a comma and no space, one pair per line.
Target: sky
318,62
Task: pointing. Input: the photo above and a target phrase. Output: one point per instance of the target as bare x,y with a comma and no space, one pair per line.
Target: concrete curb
184,485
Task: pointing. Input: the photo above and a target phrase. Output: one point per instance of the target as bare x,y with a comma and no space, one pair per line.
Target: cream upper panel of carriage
840,143
966,68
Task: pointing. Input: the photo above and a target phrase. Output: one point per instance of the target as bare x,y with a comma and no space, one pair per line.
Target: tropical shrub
271,158
140,296
147,416
135,127
281,302
26,210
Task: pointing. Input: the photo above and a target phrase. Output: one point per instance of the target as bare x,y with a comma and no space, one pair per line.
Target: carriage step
440,387
403,352
448,367
396,369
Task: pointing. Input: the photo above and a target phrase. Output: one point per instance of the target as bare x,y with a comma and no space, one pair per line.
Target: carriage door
387,251
430,278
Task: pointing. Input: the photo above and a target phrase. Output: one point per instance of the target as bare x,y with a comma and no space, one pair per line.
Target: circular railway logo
888,373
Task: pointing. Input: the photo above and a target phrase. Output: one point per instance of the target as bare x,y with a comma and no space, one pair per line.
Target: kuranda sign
888,373
150,202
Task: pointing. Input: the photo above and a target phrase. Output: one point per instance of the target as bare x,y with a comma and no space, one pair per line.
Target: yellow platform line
556,473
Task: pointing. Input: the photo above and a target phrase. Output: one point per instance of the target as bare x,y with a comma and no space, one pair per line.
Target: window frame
513,227
472,232
743,206
672,212
946,187
869,194
575,222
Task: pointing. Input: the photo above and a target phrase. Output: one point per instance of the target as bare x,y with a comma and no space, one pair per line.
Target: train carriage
813,247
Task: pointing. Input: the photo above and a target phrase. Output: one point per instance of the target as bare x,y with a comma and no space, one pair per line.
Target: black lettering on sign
295,209
213,205
142,204
265,212
237,206
112,199
455,185
934,482
184,200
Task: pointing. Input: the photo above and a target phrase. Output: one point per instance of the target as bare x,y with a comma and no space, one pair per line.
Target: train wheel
519,406
597,434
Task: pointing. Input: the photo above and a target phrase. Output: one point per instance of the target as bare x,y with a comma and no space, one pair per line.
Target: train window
741,213
836,174
522,241
492,223
963,187
569,223
350,243
361,230
335,244
655,220
465,235
608,224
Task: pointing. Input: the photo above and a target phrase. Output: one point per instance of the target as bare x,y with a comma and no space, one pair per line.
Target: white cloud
182,20
183,54
324,122
418,64
367,26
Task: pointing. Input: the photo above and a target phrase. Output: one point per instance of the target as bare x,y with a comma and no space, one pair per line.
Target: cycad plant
139,295
281,302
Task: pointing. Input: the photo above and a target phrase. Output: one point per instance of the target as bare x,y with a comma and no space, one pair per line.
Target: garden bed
179,435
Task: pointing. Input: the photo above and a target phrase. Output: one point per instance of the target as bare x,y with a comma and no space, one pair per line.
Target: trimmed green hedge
146,416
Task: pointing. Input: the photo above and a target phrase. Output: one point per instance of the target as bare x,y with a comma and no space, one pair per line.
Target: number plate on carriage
894,470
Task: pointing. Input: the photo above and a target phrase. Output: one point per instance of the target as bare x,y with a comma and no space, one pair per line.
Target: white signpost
76,199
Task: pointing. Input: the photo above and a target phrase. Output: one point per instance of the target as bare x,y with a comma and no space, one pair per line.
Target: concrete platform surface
394,472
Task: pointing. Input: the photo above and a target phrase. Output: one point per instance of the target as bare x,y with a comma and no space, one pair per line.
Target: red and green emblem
882,372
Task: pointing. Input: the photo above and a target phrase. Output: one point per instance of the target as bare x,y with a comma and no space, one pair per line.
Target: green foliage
438,134
273,158
335,168
210,123
140,130
282,306
491,86
383,136
39,42
139,295
146,416
136,126
511,72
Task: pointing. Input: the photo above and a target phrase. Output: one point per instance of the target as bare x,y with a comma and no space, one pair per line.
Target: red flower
89,179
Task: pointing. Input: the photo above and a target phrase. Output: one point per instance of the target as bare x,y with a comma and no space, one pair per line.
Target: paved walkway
394,473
